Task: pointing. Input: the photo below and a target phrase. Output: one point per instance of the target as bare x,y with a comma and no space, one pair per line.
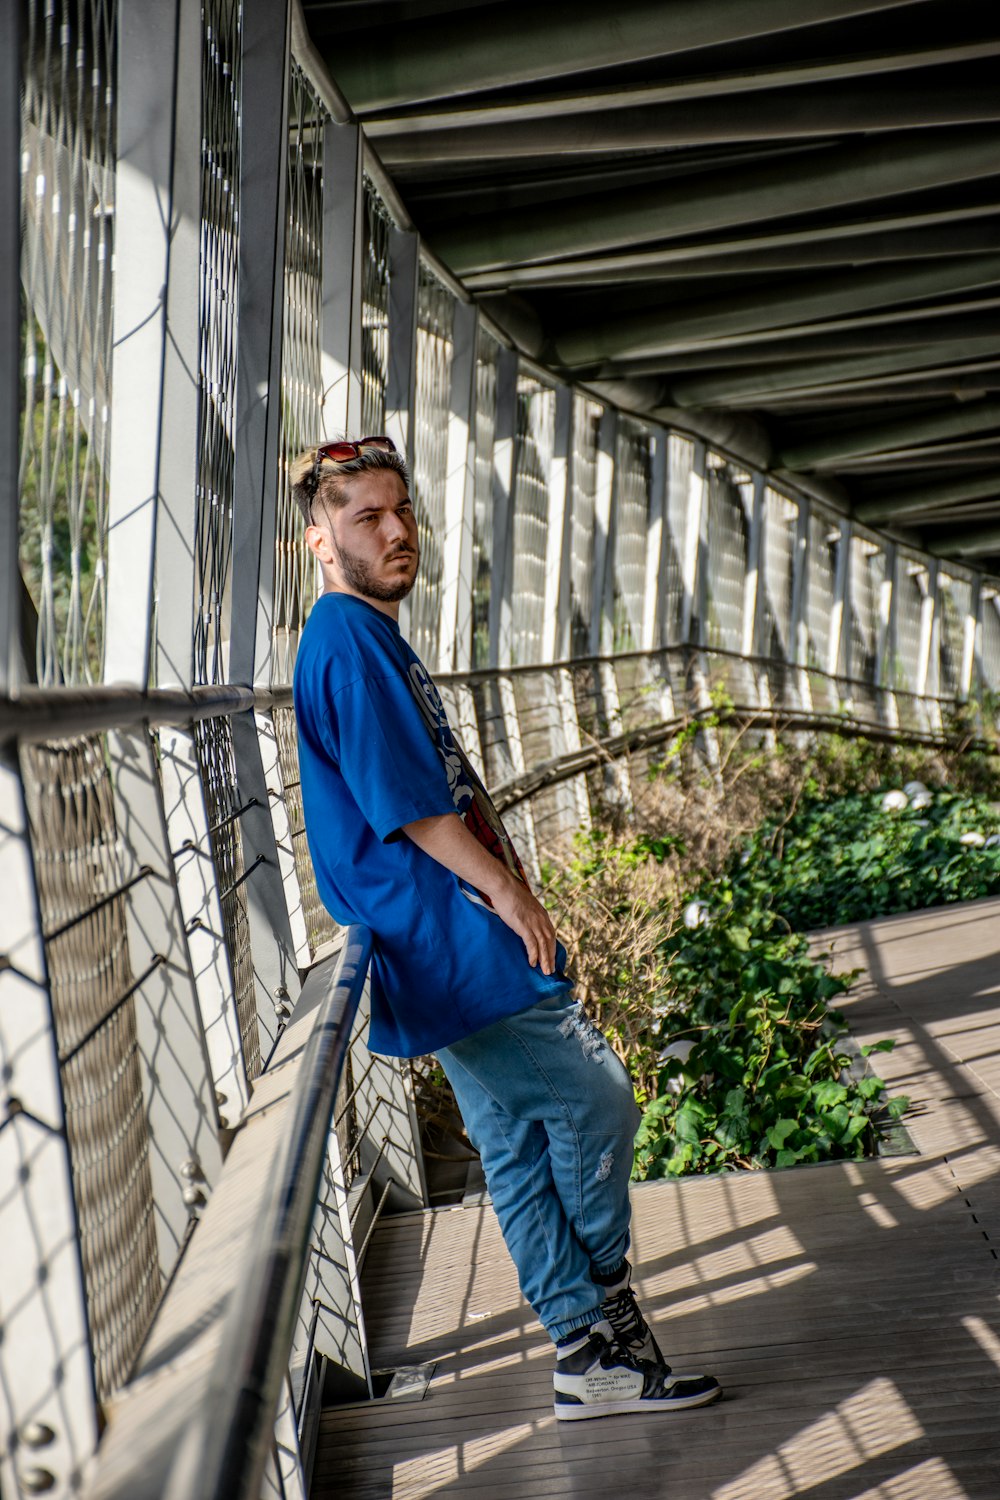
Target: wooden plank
850,1310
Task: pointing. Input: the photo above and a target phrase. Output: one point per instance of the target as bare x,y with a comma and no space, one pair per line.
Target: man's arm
447,840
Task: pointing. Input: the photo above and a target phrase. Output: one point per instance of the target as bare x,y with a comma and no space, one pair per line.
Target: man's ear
318,541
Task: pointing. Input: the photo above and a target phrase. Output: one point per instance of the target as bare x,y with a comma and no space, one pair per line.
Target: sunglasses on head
342,453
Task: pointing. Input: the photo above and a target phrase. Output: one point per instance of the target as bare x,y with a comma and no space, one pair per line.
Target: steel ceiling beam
985,511
524,42
755,386
975,543
640,264
470,115
674,327
899,383
911,503
949,456
799,114
898,333
808,182
973,382
973,416
861,249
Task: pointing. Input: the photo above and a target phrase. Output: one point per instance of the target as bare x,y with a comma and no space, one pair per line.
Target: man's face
373,546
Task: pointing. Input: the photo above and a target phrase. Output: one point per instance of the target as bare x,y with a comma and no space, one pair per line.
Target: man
466,964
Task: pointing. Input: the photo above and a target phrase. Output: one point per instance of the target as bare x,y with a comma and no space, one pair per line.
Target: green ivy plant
766,1082
755,1070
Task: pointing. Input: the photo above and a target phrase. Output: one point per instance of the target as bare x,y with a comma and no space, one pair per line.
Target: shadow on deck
850,1310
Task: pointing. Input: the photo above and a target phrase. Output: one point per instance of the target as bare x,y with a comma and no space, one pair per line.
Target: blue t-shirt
376,752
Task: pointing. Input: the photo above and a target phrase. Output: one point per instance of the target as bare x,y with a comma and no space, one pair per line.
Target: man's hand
447,840
525,915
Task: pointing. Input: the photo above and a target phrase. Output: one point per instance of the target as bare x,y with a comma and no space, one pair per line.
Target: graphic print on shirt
472,801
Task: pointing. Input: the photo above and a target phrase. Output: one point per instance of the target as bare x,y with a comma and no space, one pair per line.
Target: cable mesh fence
630,526
989,655
535,431
295,577
587,416
824,544
82,874
374,311
487,357
727,554
911,587
864,594
776,575
676,589
218,333
214,744
320,926
955,605
68,145
435,320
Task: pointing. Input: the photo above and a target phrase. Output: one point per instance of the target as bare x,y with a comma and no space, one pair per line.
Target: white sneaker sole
570,1412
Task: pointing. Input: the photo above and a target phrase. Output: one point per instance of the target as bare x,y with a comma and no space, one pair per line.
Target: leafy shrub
726,1025
765,1081
851,859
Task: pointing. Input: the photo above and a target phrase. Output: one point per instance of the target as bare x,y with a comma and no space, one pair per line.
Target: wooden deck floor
850,1310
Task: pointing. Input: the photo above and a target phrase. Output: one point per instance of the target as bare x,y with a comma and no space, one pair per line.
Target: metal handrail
46,713
229,1453
692,651
58,712
507,794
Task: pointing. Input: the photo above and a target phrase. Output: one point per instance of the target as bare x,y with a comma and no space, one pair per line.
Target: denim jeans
551,1111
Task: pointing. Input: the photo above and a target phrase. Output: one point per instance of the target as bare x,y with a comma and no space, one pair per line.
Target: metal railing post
600,622
799,623
455,641
555,607
263,182
401,384
154,456
10,314
839,659
970,637
504,458
886,647
343,269
692,609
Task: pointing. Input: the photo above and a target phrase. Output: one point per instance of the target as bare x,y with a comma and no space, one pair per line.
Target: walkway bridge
687,320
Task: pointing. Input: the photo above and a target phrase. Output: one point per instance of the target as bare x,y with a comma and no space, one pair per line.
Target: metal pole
10,315
154,404
503,508
261,257
970,638
838,654
343,269
555,610
263,180
691,612
652,615
154,457
401,387
600,623
799,623
752,591
887,615
455,640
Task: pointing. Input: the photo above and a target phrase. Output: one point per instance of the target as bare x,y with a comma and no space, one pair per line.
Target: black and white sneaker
631,1330
595,1377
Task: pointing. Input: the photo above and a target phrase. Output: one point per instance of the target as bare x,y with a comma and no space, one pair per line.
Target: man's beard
357,572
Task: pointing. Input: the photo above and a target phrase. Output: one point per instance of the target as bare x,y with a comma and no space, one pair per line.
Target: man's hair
327,479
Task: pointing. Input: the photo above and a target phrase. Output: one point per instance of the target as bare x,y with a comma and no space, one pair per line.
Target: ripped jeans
551,1111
